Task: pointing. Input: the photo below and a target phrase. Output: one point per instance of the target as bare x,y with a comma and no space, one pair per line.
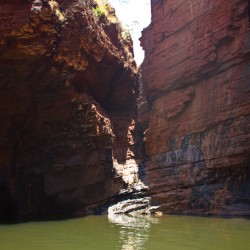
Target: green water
98,232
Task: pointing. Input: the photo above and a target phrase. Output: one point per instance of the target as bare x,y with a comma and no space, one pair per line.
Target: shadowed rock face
67,108
196,82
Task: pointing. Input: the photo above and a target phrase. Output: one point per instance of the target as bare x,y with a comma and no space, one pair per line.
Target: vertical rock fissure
133,199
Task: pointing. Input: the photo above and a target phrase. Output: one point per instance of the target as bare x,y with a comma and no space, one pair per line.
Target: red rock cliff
67,102
196,76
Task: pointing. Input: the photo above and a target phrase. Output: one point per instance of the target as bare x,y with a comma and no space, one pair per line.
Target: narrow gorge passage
79,122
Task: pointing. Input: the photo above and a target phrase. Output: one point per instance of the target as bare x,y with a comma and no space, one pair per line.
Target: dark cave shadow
121,122
8,210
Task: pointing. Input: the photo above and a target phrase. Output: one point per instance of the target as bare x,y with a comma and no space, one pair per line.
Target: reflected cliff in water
134,231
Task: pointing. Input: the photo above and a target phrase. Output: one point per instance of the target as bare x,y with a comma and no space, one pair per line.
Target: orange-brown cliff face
196,76
67,102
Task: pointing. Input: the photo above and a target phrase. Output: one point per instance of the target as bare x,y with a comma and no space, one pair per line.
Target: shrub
100,10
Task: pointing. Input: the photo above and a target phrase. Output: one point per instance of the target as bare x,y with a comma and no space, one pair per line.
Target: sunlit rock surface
134,207
196,77
67,96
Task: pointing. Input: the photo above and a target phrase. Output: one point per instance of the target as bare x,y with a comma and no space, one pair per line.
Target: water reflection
134,231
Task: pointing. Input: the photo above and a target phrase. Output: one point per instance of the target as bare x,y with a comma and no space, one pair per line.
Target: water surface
126,233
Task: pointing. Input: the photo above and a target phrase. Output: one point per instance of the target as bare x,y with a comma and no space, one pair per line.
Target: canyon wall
196,80
68,98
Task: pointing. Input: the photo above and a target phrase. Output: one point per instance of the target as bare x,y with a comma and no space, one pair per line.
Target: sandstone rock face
196,77
67,101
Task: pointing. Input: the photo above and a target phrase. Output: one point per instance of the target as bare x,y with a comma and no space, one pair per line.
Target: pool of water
126,233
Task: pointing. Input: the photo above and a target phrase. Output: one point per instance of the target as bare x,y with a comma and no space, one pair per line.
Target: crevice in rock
133,199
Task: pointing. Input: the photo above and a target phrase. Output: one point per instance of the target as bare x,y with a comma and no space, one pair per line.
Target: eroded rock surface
67,96
196,77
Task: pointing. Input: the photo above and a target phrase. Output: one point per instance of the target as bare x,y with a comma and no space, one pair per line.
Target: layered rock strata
196,77
67,96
